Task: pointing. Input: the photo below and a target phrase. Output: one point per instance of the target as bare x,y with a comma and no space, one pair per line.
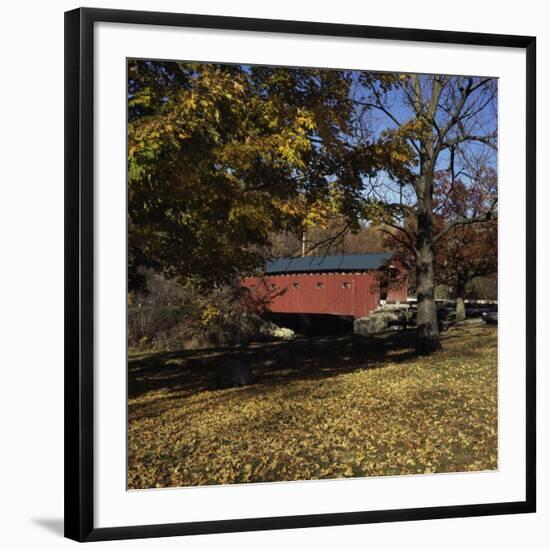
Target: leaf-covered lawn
325,407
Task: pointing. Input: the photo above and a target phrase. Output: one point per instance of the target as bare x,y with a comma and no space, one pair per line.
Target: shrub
221,317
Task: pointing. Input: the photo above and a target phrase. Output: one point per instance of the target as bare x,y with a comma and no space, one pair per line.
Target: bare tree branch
329,240
487,140
488,216
404,243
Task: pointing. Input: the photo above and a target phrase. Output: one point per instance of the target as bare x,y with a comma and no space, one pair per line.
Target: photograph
312,273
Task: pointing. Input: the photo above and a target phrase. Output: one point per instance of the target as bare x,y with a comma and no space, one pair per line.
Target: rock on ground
275,331
234,373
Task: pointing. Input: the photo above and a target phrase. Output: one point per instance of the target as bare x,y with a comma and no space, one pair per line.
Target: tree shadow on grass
168,377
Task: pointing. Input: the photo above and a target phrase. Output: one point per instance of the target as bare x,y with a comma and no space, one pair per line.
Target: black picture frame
79,268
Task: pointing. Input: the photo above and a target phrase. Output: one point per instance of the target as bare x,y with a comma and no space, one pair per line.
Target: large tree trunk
427,340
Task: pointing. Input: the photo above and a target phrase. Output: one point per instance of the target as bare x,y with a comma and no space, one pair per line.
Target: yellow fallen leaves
313,415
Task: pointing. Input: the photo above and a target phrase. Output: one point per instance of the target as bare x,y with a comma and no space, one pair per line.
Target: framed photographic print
300,274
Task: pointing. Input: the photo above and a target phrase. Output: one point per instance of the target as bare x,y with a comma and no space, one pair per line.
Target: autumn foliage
222,156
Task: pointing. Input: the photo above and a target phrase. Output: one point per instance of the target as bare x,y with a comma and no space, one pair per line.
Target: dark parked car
490,317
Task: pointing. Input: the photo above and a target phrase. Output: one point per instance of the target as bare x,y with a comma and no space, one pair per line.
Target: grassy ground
325,407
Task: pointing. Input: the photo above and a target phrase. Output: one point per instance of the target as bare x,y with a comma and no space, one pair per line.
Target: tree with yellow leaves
222,156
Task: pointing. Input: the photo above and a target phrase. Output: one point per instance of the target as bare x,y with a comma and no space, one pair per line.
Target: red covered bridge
350,285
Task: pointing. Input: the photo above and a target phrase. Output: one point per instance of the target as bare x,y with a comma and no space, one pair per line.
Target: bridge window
319,285
273,286
295,286
346,285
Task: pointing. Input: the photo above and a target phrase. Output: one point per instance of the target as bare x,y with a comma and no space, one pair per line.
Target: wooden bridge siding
397,294
358,300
